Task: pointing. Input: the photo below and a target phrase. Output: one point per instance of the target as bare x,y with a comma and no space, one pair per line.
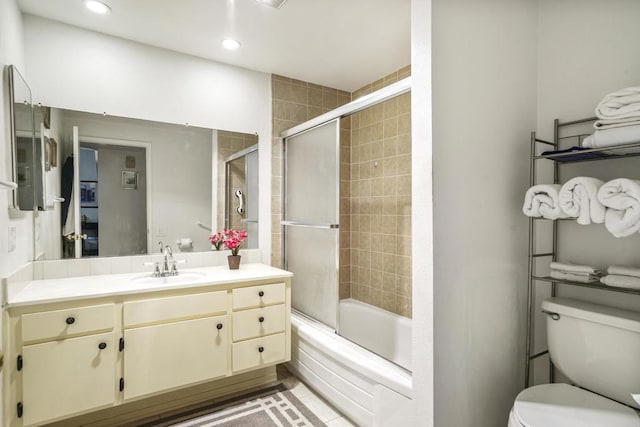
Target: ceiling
343,44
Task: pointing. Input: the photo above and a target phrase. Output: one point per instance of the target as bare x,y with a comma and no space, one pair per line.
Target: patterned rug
271,407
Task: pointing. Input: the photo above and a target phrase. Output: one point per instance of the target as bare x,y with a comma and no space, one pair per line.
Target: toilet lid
562,405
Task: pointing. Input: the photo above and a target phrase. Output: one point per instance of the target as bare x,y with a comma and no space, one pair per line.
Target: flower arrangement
233,239
217,240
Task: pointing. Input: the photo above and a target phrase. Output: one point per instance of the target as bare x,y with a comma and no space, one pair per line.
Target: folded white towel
622,198
622,270
621,104
542,201
621,281
583,278
604,124
614,136
578,197
567,267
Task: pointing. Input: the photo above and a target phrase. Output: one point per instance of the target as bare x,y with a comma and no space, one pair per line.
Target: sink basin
182,277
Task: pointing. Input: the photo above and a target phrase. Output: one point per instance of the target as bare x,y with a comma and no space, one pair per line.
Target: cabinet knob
70,320
261,293
219,326
102,345
261,319
260,349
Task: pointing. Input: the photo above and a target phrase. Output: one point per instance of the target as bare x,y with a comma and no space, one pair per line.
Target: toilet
598,349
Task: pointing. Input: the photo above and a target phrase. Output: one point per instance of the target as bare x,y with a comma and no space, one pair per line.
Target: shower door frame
386,93
327,226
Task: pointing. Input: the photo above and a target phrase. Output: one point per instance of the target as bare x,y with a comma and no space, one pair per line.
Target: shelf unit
599,154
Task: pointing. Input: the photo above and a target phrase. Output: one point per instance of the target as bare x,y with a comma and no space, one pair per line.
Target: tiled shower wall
381,200
375,187
295,102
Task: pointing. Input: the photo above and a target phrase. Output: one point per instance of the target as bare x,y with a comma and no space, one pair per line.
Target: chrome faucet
168,265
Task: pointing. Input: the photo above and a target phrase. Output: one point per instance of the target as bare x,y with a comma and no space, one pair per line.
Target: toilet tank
596,347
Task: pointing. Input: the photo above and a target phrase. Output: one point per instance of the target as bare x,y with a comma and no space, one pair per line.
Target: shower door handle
309,225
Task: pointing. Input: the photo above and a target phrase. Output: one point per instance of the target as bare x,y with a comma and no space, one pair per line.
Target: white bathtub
367,388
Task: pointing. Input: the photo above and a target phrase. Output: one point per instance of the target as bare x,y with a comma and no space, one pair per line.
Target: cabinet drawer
63,323
247,354
258,296
258,322
173,308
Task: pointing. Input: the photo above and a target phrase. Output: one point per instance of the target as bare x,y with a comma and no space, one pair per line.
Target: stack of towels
577,198
618,120
574,272
622,277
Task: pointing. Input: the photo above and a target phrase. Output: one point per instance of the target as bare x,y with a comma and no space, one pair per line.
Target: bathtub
367,388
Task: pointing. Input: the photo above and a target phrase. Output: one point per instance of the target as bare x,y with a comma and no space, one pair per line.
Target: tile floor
316,404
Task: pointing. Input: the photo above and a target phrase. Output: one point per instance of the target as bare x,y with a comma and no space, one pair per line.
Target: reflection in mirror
136,183
238,184
26,154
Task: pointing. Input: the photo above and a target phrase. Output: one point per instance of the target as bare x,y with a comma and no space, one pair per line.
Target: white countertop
77,288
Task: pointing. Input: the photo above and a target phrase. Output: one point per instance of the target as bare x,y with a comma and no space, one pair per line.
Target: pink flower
217,240
233,239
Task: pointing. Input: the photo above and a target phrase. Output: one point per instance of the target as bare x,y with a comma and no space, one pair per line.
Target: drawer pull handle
102,345
260,349
219,326
70,320
261,319
261,293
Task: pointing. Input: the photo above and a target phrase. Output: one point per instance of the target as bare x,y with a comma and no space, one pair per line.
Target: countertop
78,288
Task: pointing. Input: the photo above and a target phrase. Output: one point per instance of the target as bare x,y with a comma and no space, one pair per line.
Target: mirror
26,154
138,182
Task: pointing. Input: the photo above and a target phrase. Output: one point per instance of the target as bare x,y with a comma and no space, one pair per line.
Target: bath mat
271,407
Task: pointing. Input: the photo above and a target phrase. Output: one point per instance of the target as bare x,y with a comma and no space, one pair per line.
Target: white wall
422,214
484,106
11,52
82,70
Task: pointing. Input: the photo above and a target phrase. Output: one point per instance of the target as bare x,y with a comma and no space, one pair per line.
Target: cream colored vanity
78,345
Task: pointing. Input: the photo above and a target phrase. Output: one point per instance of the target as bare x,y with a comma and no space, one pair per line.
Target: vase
234,262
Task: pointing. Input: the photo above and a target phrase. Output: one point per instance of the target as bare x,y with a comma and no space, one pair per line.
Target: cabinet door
62,378
162,357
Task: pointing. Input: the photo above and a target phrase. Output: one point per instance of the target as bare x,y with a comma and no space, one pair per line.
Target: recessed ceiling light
230,44
97,7
273,3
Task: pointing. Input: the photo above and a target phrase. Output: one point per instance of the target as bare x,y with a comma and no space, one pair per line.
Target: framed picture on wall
129,180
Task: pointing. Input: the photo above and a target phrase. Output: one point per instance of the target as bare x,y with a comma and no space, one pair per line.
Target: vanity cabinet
259,322
64,354
75,357
162,357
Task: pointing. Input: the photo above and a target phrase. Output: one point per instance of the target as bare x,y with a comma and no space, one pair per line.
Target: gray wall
484,106
122,227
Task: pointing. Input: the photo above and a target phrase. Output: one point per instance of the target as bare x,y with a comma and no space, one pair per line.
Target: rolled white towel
542,201
578,197
567,267
622,198
620,104
622,270
583,278
621,281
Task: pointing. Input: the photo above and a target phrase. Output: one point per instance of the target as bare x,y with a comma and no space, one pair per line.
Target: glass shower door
310,225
